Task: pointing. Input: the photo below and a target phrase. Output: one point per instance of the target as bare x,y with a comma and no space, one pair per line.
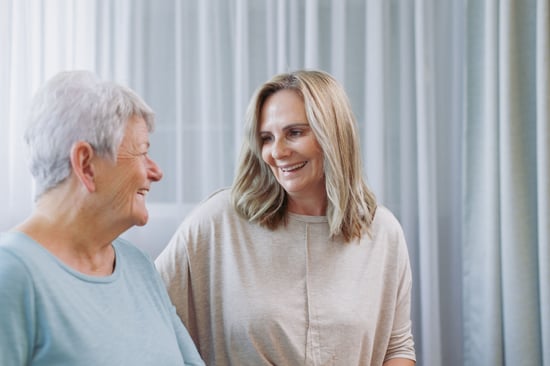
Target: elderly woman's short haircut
77,106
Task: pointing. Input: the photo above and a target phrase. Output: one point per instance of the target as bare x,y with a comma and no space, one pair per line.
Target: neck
314,207
78,242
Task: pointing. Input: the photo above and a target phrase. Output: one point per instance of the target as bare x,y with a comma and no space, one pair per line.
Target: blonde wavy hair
256,194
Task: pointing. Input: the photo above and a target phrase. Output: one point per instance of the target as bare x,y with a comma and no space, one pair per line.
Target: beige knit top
251,296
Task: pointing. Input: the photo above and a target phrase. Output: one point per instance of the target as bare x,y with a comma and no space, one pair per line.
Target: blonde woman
295,264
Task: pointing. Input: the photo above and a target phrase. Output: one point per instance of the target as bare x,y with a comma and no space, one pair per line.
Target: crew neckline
75,273
307,218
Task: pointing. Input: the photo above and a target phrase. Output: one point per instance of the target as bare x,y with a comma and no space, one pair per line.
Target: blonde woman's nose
279,149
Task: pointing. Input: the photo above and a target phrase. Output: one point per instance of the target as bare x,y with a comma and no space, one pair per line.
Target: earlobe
82,155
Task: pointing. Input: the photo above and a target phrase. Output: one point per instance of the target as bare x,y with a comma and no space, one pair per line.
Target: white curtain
506,257
452,99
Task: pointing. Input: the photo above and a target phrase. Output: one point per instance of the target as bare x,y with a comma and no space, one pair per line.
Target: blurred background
453,104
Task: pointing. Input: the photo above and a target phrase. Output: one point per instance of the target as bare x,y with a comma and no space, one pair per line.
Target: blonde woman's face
290,148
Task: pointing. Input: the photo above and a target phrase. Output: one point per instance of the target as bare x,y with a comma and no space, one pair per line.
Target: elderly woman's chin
139,213
142,217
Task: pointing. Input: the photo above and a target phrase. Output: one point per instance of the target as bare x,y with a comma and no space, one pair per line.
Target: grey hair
256,194
77,106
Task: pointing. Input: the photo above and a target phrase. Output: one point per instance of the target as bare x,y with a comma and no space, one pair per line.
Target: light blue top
51,314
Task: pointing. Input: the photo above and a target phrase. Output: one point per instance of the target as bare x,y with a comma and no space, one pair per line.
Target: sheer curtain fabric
452,100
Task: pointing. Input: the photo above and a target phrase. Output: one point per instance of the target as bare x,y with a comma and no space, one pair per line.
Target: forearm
399,362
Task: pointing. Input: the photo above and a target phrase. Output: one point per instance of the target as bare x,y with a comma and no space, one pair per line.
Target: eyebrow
291,126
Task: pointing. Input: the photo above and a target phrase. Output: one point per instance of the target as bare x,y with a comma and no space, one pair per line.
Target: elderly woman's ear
82,162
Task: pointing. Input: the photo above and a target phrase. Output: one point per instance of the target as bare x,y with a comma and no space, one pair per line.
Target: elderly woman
71,291
296,264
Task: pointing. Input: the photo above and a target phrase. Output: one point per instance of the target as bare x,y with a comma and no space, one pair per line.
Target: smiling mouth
143,192
293,167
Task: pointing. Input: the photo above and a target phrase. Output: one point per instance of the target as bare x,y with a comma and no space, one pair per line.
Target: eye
141,154
264,138
295,132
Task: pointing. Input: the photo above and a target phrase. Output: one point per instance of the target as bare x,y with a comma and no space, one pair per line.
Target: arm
186,344
399,362
401,347
16,299
190,354
172,266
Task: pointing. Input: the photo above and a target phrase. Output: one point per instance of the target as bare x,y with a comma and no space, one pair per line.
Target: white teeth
293,167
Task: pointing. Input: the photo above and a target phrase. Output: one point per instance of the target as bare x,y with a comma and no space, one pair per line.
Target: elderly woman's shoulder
125,248
20,247
14,257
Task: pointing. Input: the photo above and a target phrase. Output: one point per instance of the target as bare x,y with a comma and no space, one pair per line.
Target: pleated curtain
452,102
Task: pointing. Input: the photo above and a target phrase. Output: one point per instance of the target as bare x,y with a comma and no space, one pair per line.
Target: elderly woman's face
132,175
290,148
